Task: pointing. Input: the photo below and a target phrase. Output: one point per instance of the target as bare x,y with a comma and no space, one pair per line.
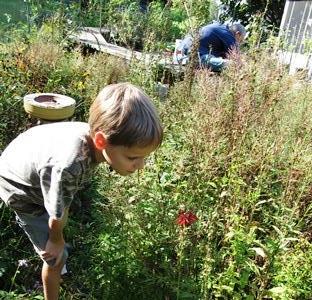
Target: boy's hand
53,250
55,245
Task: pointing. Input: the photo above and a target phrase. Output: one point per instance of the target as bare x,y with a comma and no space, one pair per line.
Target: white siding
296,31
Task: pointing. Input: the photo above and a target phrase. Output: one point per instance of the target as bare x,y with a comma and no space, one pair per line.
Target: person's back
216,39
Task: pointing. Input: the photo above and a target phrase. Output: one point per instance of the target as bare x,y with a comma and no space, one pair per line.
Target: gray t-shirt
43,168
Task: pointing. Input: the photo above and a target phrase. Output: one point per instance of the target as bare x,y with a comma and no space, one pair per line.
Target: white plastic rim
49,106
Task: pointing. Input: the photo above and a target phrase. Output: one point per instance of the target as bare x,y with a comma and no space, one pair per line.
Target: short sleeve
58,187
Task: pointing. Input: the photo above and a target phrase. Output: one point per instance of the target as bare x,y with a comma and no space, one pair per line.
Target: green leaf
279,290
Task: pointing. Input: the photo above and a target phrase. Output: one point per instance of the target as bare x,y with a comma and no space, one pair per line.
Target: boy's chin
125,173
122,173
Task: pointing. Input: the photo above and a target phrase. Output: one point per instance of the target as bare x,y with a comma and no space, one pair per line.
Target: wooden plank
93,37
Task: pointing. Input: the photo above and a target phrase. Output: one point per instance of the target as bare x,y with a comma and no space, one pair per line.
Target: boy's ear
100,141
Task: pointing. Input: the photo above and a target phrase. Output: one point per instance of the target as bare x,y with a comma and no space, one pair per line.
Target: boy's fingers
46,256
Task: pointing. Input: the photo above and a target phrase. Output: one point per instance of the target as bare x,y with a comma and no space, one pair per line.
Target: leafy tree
244,10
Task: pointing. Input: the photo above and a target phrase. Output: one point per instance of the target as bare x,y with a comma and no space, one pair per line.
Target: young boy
42,169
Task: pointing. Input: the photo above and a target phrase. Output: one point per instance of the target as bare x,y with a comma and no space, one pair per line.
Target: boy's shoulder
61,128
60,133
55,140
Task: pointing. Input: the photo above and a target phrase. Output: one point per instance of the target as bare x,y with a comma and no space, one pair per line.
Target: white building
296,32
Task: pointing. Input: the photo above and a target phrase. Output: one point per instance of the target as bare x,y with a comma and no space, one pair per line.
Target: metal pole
305,28
299,41
290,17
285,13
101,15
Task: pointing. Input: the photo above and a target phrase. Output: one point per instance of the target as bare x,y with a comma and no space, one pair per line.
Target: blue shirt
215,39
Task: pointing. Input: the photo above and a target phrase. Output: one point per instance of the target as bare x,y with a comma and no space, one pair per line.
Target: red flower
186,218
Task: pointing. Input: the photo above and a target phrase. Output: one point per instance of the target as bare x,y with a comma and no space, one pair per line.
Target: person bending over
216,41
43,168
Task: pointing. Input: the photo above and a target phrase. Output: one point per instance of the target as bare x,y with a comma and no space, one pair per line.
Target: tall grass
247,137
237,154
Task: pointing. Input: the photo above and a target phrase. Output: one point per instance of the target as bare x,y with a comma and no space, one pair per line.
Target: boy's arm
56,227
55,244
58,185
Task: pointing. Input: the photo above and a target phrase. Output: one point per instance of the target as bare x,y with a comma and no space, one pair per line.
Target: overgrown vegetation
236,154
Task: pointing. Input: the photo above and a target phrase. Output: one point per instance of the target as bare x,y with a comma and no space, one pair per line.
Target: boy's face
126,160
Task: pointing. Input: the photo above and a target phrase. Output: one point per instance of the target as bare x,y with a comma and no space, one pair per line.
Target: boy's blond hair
126,115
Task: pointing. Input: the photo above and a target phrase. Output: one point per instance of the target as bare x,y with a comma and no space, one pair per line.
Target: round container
49,106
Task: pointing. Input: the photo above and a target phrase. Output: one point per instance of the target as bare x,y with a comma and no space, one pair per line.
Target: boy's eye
132,158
